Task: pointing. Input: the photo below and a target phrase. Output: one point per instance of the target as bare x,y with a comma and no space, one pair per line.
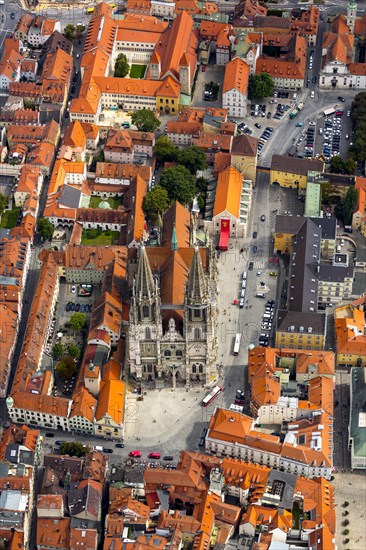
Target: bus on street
211,396
328,112
237,344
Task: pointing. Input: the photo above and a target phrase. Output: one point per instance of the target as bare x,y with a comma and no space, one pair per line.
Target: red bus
211,396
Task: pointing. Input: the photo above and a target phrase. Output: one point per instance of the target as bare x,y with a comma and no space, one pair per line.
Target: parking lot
69,302
212,73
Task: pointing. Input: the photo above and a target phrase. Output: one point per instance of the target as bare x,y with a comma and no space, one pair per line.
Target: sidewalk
350,487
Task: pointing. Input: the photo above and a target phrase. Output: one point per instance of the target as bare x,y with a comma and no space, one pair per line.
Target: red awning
224,234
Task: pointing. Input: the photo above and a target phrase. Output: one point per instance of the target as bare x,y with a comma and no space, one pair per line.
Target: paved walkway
162,414
351,487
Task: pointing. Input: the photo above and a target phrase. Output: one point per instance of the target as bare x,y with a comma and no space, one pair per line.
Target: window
167,353
145,311
197,334
147,333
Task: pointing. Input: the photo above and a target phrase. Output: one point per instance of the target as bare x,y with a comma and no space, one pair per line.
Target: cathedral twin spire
144,283
197,291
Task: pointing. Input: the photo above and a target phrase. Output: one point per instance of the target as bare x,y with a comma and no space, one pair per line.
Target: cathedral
172,337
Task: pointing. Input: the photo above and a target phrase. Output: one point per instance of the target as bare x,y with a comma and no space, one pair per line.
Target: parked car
119,445
154,455
168,457
77,307
106,450
50,434
135,454
255,248
263,218
73,289
341,99
250,266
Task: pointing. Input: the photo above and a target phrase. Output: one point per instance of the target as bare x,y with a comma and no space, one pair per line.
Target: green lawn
137,71
101,239
9,218
113,202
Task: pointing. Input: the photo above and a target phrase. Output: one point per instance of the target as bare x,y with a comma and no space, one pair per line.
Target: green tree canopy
66,367
339,166
121,67
260,85
78,321
201,184
358,115
179,183
58,350
69,32
193,158
73,350
3,203
73,448
165,150
349,205
145,120
45,228
156,201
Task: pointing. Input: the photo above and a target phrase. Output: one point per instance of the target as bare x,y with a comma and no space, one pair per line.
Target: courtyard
98,237
137,71
114,202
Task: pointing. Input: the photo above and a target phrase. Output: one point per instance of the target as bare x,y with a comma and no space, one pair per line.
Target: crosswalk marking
259,265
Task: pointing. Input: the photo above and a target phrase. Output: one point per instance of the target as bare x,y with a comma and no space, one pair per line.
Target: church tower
155,66
198,329
185,79
145,320
351,15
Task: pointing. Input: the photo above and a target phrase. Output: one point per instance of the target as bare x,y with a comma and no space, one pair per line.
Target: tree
79,31
3,203
179,183
45,228
66,368
350,166
69,32
156,201
74,351
77,321
201,184
145,120
73,448
349,205
260,85
165,150
58,350
192,158
337,165
121,67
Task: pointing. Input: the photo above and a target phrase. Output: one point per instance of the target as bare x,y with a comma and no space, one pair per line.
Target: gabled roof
236,76
228,192
181,38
